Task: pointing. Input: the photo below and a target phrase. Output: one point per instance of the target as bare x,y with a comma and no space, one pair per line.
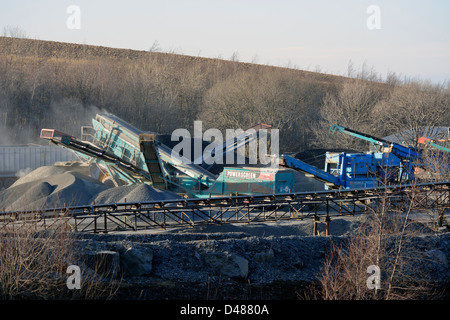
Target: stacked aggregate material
53,187
133,193
49,187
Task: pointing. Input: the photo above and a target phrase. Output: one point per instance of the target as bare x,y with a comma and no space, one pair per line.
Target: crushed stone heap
53,187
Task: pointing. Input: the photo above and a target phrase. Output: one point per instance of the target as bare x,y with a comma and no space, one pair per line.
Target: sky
410,38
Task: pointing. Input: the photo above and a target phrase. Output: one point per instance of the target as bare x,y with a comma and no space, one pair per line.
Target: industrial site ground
270,260
261,260
267,260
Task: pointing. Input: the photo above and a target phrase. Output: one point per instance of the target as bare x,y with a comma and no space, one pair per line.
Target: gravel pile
133,193
52,187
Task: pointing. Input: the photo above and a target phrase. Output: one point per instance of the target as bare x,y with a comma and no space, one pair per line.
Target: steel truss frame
320,206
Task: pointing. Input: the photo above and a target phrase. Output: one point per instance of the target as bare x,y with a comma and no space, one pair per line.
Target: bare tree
414,110
385,240
14,32
33,265
248,98
351,106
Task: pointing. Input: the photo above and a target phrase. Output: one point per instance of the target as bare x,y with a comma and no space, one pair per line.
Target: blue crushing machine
391,164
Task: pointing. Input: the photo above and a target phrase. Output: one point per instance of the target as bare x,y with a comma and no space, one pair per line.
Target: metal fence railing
321,206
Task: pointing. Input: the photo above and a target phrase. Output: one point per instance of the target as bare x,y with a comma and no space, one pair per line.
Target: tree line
46,84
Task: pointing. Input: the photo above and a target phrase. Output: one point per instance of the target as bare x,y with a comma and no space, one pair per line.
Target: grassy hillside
62,85
63,50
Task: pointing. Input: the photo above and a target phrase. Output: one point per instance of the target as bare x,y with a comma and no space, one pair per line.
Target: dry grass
33,265
385,240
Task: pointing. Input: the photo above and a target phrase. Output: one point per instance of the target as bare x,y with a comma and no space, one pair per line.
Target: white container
19,158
